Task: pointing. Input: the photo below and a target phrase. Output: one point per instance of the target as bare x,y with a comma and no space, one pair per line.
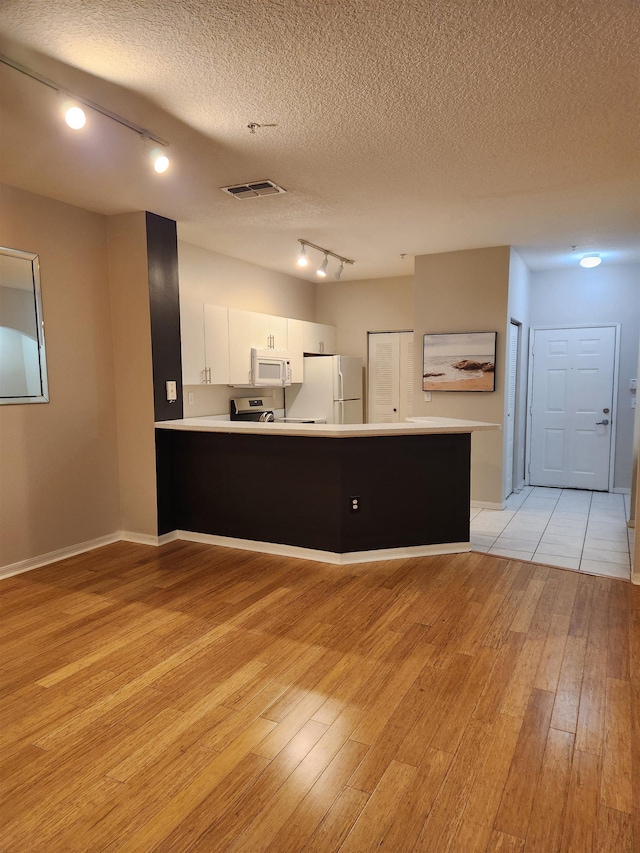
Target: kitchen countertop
419,426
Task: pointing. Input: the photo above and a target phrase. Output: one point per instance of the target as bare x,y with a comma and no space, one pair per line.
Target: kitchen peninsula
340,493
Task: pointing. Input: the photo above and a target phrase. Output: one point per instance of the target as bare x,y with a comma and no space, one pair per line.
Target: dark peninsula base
412,490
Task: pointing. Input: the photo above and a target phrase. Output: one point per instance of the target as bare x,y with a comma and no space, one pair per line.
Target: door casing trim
614,402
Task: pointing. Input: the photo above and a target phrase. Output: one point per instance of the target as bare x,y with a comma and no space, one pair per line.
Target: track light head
75,117
161,163
157,155
339,272
322,269
302,257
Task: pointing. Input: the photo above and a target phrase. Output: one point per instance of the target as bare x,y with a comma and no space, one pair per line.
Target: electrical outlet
427,396
354,503
190,398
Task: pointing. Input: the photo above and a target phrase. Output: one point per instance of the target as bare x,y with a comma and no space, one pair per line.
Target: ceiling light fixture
76,118
302,257
322,269
590,261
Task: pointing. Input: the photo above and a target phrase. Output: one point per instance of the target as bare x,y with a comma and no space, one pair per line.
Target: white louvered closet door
390,384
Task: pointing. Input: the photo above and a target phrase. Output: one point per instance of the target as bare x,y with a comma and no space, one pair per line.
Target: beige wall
59,460
207,276
129,277
220,280
608,294
358,307
467,292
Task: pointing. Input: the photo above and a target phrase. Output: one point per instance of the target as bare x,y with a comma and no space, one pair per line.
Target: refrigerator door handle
341,381
341,411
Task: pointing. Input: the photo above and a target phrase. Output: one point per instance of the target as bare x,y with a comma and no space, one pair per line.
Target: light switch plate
172,392
427,396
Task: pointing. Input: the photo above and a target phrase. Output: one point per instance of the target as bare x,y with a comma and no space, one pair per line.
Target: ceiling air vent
254,190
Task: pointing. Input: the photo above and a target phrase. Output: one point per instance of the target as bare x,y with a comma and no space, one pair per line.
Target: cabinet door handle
204,376
321,346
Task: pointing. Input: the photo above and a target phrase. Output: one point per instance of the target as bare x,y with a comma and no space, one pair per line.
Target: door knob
605,422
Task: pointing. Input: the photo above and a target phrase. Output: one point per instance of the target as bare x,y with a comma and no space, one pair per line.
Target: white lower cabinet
204,332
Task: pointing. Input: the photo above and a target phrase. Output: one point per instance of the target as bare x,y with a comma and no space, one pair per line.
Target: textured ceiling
402,127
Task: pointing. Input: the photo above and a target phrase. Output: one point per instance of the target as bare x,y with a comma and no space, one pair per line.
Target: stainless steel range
252,409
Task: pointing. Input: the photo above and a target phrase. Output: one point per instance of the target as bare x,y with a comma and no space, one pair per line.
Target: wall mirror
23,367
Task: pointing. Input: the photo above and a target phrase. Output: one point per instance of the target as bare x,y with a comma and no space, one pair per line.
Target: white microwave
270,368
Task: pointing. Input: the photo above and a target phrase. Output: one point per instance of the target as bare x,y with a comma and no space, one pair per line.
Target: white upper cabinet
295,337
304,336
216,343
204,332
319,338
248,329
192,339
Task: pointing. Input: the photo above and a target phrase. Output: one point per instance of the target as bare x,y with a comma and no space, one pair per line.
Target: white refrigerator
332,389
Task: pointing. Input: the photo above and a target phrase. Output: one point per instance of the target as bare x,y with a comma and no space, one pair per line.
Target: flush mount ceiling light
590,261
322,269
76,117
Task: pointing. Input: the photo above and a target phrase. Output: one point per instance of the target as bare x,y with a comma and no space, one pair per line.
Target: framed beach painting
463,361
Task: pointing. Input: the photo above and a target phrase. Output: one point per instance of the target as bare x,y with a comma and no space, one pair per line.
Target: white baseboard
325,556
61,554
488,505
621,491
241,544
147,538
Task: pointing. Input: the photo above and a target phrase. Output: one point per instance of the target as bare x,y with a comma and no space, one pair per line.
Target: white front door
572,407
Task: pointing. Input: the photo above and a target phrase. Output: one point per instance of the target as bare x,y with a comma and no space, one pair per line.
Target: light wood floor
193,698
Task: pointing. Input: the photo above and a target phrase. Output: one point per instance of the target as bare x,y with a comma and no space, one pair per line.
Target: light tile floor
585,531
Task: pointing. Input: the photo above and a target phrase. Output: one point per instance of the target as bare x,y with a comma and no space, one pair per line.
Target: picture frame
459,361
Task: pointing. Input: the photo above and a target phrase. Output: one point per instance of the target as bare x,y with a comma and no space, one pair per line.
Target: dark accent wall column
164,302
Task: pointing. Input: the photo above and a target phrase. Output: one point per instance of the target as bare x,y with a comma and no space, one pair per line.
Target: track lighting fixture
302,257
322,269
76,117
590,261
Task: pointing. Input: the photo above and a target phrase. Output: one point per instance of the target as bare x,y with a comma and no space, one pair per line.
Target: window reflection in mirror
23,372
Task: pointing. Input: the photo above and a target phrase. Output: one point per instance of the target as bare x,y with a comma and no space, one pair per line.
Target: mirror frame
42,358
